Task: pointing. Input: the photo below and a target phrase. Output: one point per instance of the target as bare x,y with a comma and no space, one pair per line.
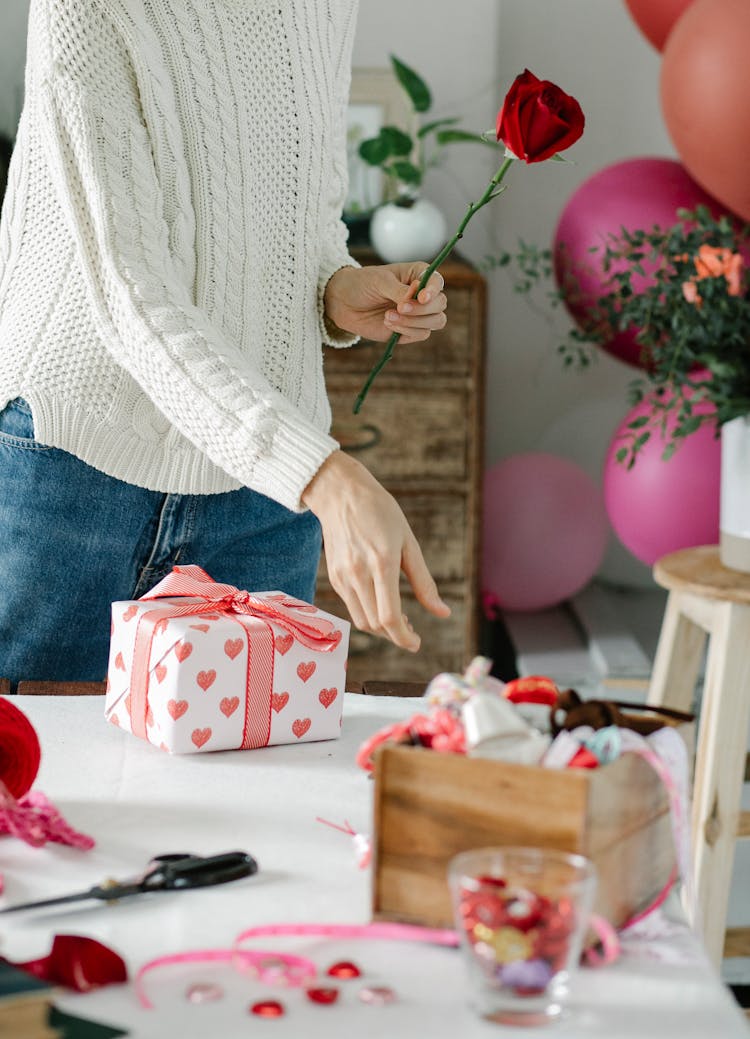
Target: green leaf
435,125
638,423
622,454
453,136
390,142
405,171
413,84
374,150
398,142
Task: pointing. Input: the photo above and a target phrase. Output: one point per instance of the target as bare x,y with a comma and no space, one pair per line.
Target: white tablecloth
137,801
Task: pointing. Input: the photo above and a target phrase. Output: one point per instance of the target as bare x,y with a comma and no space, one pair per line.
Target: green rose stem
492,192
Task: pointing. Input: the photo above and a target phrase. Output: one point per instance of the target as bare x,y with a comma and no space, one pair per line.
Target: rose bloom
538,119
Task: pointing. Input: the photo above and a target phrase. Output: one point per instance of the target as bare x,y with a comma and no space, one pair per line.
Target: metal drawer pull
358,438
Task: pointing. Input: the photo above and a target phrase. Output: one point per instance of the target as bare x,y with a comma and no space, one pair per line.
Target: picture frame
376,99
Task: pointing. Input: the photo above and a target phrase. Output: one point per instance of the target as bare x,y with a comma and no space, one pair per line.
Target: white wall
13,18
469,51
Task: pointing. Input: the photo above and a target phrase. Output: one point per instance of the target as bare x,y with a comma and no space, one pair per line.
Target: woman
171,256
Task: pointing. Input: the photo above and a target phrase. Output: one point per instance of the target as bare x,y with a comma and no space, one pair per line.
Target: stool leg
720,767
678,658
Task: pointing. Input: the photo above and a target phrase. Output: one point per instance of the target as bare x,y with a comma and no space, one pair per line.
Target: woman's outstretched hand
368,543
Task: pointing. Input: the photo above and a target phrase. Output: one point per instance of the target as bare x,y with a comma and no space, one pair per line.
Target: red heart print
200,627
284,643
210,616
130,613
279,701
161,625
200,737
300,726
306,670
119,662
114,719
327,696
128,701
233,647
183,650
206,679
177,708
149,717
229,705
163,746
160,672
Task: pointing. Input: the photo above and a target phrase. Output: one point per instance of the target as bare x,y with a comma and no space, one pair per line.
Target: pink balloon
658,507
545,531
636,193
656,18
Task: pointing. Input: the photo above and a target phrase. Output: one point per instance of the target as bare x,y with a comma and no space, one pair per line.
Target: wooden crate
430,806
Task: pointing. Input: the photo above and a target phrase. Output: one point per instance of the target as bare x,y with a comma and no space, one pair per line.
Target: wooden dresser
420,432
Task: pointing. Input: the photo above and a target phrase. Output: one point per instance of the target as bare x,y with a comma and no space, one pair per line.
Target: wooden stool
707,599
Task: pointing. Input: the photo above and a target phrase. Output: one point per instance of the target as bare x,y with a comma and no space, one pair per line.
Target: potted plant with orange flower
692,322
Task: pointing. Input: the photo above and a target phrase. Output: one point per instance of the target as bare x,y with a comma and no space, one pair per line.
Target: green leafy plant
404,158
684,290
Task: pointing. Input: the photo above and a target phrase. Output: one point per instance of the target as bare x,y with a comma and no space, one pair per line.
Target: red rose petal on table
78,963
344,969
322,995
267,1008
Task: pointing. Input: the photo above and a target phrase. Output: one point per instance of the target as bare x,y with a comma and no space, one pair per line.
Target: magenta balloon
636,193
545,531
658,507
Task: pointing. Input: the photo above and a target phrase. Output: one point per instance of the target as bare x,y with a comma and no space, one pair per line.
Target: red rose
538,119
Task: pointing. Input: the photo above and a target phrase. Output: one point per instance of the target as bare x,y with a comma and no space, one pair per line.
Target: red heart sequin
267,1008
326,996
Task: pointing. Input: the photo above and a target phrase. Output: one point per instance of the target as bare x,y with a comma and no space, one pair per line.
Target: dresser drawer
441,525
444,645
402,434
450,351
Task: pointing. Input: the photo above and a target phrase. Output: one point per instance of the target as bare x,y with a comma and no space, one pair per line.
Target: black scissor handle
178,872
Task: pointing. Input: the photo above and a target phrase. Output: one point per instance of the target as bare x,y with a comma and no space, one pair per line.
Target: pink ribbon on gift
253,613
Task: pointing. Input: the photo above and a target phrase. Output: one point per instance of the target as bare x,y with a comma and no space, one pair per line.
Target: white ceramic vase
408,231
734,521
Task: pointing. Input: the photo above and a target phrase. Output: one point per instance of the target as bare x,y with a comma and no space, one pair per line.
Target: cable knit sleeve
102,161
335,254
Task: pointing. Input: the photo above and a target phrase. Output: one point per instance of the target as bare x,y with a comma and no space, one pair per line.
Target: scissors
175,872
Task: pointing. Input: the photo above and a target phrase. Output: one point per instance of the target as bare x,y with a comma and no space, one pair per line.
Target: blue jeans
73,540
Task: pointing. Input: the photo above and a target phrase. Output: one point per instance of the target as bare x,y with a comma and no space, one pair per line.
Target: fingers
421,579
415,319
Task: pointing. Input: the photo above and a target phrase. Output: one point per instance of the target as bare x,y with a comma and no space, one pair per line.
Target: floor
602,644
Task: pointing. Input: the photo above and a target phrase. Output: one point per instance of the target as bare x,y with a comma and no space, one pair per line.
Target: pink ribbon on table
253,613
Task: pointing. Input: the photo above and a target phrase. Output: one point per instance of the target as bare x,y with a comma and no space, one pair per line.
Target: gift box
197,666
429,806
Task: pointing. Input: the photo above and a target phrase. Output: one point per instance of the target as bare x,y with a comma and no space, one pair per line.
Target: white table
137,801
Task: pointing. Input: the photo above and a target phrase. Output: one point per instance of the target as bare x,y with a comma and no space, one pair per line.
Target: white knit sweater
171,219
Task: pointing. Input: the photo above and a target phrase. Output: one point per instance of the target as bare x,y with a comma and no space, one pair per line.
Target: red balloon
705,96
635,193
656,18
